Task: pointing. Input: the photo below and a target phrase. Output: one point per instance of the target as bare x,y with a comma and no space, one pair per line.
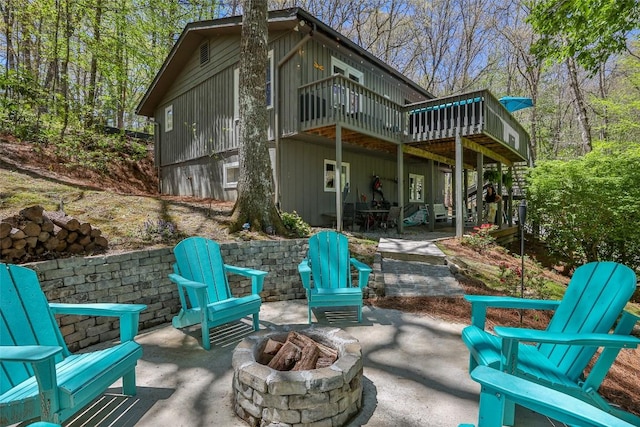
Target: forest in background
70,66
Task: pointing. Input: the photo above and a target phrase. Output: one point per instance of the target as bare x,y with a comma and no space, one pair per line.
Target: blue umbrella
514,103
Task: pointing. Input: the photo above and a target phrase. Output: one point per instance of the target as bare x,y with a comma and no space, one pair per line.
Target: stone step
411,250
413,278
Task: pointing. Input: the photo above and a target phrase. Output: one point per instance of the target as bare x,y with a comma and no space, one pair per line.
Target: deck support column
499,191
400,160
479,188
432,195
458,185
338,177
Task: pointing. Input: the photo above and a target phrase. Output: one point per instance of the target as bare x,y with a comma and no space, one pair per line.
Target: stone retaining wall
141,277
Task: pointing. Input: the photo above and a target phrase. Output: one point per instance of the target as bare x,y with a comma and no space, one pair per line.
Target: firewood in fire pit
286,357
271,348
298,353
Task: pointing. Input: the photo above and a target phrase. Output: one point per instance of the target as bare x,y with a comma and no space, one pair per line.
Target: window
416,188
339,67
168,118
341,96
231,174
270,80
330,175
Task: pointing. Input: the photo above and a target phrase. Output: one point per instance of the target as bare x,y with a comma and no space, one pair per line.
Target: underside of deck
441,150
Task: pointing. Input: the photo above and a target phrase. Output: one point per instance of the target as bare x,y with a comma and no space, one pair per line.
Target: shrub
295,224
161,231
584,209
480,239
511,280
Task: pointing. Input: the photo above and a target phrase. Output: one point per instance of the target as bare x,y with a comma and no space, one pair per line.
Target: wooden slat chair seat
593,302
39,377
201,277
326,273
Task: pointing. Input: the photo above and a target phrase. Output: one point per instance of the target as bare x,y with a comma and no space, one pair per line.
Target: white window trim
348,69
225,175
351,100
168,118
271,70
236,94
346,175
416,177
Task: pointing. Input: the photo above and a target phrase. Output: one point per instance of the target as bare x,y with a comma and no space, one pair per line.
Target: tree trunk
91,95
580,106
602,86
65,70
8,18
255,204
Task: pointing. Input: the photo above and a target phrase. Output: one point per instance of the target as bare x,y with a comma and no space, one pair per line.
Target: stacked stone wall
141,277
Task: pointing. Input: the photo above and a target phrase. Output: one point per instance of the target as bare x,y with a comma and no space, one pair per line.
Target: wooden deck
427,129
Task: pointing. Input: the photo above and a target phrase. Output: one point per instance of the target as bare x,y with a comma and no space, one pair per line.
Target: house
332,107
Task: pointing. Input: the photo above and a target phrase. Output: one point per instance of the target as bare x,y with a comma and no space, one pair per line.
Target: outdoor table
378,215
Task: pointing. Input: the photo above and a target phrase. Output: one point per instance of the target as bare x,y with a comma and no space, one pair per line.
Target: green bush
586,209
295,224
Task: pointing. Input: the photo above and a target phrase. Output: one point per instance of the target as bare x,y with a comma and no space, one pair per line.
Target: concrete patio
415,373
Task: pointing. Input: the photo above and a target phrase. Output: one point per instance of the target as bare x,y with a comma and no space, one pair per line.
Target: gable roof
286,19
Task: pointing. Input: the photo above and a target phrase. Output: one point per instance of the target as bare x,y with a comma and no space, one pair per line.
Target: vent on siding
204,53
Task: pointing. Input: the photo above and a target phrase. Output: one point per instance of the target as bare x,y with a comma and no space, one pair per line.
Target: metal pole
522,217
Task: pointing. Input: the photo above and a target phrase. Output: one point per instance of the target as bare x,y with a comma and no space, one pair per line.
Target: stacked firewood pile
34,233
297,353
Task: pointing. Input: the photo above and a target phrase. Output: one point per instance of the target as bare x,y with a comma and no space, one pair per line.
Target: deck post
501,204
400,157
458,185
432,195
338,177
479,188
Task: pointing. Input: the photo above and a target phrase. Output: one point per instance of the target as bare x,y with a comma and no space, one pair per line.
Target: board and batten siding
303,173
203,122
203,98
313,63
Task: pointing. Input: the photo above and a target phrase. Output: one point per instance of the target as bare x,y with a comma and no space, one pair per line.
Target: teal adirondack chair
582,322
39,377
204,291
329,264
498,386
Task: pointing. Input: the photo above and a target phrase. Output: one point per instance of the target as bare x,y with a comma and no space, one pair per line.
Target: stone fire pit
325,397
